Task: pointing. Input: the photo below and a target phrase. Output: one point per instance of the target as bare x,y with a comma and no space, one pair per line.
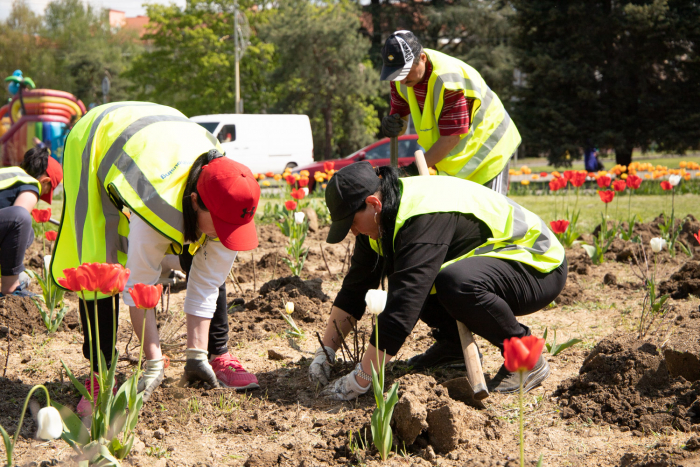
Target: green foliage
382,436
52,295
601,242
568,238
554,348
296,232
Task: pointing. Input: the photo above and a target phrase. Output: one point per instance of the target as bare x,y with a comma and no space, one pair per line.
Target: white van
264,143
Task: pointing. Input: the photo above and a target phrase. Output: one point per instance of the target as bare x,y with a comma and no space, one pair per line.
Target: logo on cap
390,57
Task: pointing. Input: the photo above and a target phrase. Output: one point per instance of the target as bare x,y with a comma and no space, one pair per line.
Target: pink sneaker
84,408
231,373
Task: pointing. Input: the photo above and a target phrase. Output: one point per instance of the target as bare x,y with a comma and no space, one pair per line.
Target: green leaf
539,462
74,429
8,445
78,385
560,348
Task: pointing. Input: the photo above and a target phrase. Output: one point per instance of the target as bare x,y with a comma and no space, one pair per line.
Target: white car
263,142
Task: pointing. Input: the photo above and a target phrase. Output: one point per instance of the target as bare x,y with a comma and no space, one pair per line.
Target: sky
131,7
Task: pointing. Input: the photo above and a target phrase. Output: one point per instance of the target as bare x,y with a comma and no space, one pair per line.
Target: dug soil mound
572,292
664,455
625,381
21,316
263,313
684,282
263,270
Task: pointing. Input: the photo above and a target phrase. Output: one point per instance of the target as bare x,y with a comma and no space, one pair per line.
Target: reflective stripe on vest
11,176
129,154
484,151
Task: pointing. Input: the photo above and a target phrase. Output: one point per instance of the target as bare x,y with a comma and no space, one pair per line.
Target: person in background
590,158
21,188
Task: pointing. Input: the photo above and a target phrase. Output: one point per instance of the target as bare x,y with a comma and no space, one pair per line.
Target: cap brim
237,237
395,73
48,196
339,230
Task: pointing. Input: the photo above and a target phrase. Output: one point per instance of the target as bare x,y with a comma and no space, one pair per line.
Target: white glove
320,369
345,388
197,368
151,378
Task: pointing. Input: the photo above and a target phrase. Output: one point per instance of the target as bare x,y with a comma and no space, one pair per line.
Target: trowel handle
475,373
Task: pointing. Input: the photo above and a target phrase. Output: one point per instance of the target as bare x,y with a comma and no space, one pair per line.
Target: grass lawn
645,206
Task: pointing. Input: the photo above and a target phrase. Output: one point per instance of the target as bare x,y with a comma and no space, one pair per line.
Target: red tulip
113,278
269,174
568,174
555,184
291,179
41,215
603,181
522,354
697,236
619,185
298,194
543,174
559,227
146,296
328,166
51,235
666,185
578,179
88,276
303,182
633,181
70,282
606,196
290,205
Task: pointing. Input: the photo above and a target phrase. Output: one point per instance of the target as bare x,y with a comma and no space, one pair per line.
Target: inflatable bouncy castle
44,114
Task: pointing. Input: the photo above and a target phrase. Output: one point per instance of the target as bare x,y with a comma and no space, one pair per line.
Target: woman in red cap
169,173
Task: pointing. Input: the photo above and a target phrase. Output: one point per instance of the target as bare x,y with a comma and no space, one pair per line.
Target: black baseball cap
346,193
398,53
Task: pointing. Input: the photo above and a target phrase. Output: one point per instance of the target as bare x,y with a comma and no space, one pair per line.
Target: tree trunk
623,155
328,117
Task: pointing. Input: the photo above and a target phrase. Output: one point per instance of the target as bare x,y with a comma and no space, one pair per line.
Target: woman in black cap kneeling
451,249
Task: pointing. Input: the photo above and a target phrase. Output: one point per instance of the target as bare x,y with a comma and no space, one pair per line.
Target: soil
684,282
21,316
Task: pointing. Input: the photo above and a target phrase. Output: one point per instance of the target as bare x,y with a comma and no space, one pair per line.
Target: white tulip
376,301
306,191
289,308
47,263
49,422
299,217
674,180
657,244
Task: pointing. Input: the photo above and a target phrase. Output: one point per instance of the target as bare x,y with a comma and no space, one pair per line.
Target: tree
191,61
323,71
623,74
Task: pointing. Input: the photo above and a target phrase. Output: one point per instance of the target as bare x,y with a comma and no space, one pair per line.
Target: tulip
113,278
633,182
619,185
525,182
606,196
88,276
298,194
674,180
554,184
41,215
666,185
70,280
290,179
51,235
290,205
146,296
299,217
305,190
603,181
578,179
324,186
270,174
568,174
556,174
697,236
261,177
328,166
375,300
277,177
657,244
289,308
560,226
303,182
265,183
522,354
543,174
304,173
49,423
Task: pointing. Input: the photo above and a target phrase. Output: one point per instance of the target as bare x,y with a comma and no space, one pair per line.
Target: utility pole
237,39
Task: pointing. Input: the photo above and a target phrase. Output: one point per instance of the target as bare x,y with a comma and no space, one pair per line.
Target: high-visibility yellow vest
484,151
134,155
11,176
517,234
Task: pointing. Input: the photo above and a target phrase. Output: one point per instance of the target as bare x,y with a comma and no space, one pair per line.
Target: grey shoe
506,382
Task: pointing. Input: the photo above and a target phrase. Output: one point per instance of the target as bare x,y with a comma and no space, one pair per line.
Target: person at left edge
170,173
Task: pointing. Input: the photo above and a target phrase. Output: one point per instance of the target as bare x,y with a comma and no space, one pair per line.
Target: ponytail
391,198
188,212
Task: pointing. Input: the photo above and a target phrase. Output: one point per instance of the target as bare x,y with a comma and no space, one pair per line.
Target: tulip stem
89,333
522,446
24,409
143,334
114,329
99,347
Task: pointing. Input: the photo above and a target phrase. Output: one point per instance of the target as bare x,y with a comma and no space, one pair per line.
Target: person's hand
320,369
197,368
151,378
392,125
345,389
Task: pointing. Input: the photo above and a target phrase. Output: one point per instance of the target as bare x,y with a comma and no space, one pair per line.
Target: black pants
105,321
218,328
16,234
487,294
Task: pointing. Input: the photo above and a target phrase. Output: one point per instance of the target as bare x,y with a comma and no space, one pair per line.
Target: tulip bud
376,301
657,244
674,180
49,422
289,308
306,190
299,217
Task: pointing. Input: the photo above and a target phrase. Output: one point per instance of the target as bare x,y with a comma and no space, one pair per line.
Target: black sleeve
32,188
364,274
420,248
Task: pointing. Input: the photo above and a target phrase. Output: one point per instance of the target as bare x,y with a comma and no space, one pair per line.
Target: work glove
320,369
392,125
151,378
197,368
346,388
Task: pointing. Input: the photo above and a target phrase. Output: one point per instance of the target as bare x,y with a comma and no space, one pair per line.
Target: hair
36,161
391,198
188,211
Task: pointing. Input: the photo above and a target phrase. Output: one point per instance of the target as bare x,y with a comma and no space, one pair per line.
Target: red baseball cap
55,172
231,193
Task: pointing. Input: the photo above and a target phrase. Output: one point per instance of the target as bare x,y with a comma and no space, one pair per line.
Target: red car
377,154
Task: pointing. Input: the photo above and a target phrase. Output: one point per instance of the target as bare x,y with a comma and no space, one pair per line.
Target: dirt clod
684,282
572,291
